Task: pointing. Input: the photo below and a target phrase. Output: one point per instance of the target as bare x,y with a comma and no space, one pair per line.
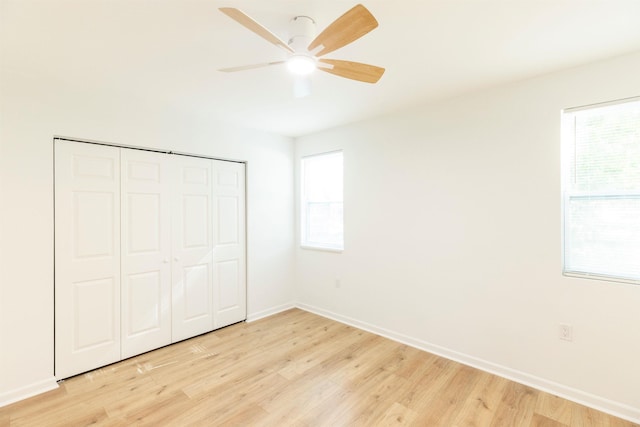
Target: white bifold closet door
87,257
193,247
229,234
146,251
150,250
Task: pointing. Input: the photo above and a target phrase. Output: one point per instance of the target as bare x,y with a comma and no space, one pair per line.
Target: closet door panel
87,261
228,277
146,251
229,255
192,248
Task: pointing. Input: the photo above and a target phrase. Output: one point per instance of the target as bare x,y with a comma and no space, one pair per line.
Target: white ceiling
168,51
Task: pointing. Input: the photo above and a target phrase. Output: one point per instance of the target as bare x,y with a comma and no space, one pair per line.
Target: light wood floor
295,369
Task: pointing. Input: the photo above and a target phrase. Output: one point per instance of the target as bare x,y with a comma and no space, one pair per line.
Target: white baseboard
593,401
27,391
252,317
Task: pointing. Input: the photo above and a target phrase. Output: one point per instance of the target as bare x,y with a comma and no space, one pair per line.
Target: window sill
321,249
592,276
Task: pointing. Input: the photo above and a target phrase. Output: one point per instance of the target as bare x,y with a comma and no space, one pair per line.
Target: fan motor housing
302,30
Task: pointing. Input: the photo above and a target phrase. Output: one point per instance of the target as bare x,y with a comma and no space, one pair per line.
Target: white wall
45,91
452,239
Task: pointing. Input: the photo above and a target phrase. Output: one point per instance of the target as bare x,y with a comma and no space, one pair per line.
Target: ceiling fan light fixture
301,65
305,52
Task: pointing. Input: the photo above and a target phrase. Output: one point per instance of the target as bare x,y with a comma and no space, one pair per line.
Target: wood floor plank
140,397
516,407
582,416
251,415
426,382
295,369
165,410
482,402
63,417
374,403
554,407
292,406
443,407
396,415
539,420
310,354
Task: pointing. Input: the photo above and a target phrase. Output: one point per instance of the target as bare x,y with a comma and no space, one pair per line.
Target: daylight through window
321,207
601,191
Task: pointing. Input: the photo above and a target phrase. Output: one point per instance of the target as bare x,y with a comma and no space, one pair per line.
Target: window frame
305,243
568,135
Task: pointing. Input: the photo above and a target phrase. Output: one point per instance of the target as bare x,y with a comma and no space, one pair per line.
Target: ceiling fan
305,51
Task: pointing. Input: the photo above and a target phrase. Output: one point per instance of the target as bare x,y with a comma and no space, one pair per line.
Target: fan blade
249,67
354,24
248,22
352,70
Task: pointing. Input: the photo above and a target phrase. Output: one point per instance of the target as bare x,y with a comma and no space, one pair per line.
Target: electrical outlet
565,332
338,283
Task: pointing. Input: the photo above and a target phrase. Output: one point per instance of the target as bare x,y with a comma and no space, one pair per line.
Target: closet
149,250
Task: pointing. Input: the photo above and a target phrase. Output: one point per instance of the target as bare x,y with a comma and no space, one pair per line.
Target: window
601,191
321,207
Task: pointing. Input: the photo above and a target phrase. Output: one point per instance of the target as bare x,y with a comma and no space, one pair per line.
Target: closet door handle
166,260
176,259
